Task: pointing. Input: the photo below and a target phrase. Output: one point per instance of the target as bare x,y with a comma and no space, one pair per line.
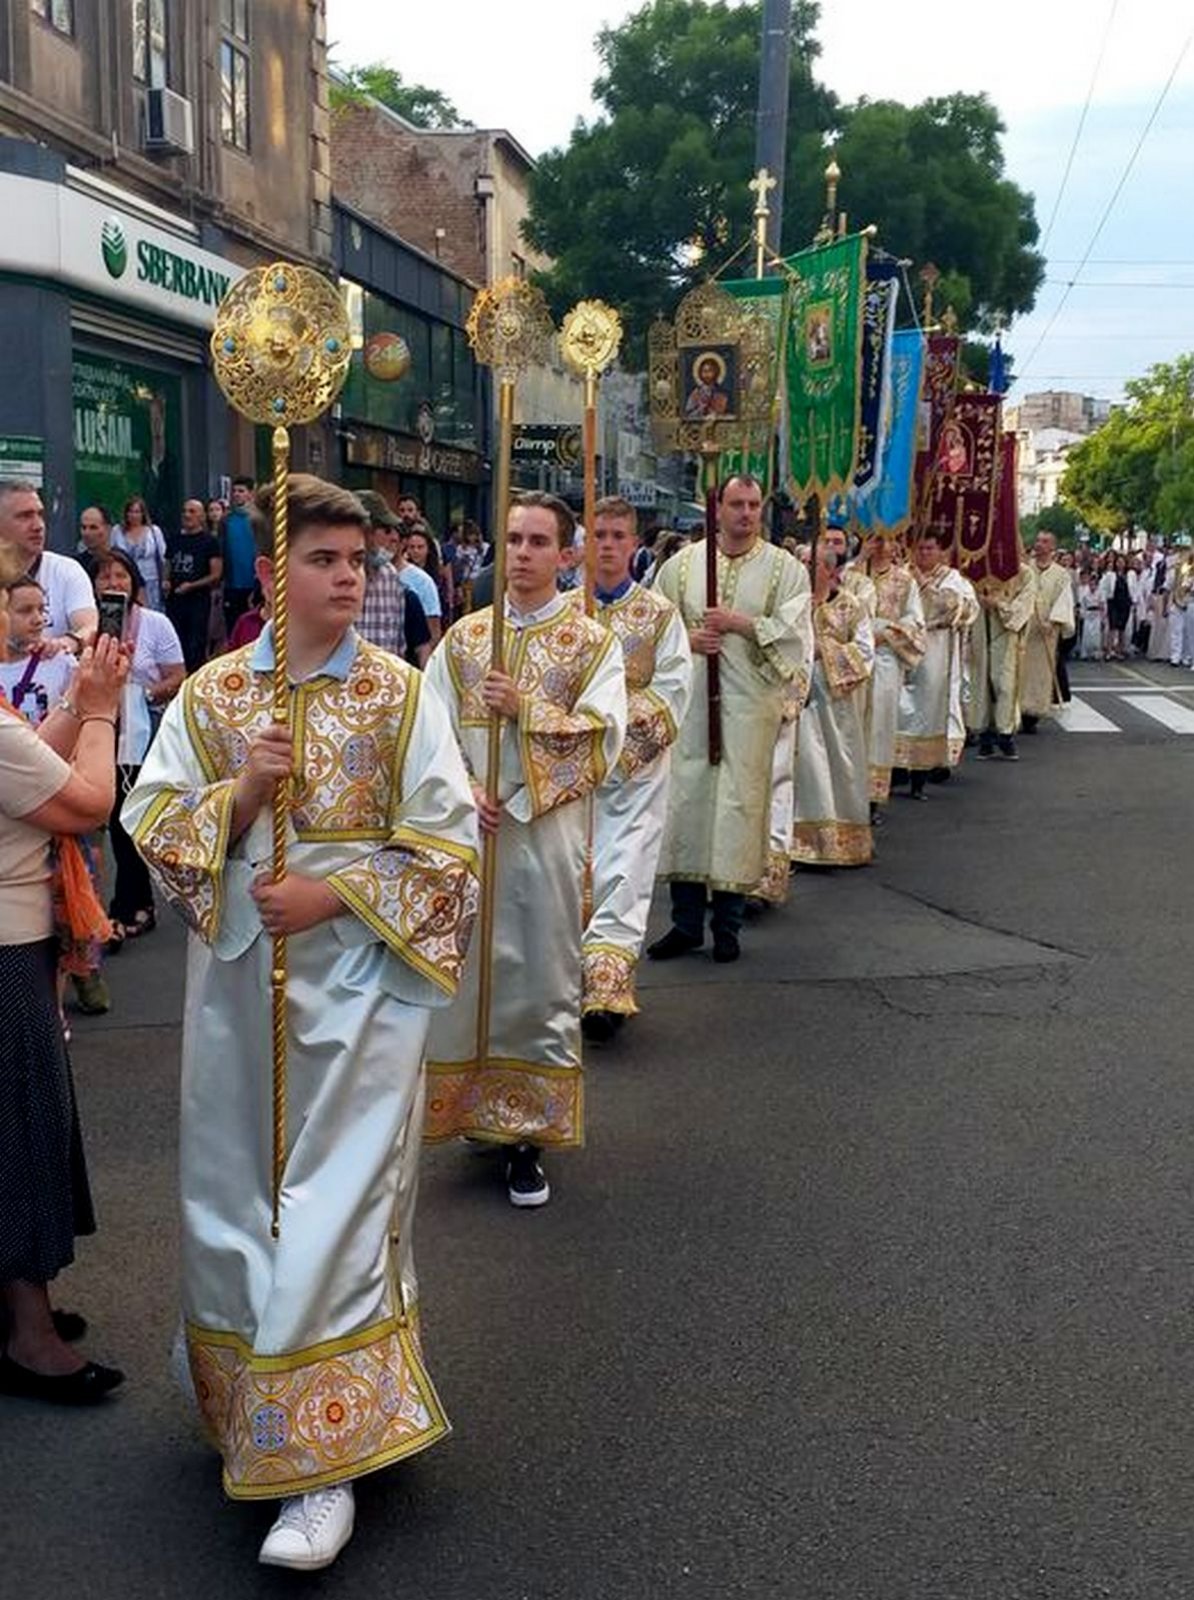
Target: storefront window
128,437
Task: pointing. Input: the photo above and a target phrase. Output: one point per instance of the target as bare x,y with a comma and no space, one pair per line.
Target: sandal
144,922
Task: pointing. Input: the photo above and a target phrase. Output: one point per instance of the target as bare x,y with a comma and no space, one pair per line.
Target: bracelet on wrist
65,705
111,721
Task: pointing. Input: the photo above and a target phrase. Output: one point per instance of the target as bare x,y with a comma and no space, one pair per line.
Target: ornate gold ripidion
510,327
590,337
281,344
711,320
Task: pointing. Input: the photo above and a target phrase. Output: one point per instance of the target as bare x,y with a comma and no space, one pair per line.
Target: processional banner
822,359
766,302
997,558
878,329
889,504
964,479
942,364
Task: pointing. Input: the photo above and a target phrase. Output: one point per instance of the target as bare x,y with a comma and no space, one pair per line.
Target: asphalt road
873,1281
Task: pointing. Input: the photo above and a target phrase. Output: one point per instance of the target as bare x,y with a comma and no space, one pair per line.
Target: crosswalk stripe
1177,718
1078,717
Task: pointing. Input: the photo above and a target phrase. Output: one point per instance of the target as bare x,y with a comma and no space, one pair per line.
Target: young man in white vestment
760,630
1052,620
832,822
562,704
630,807
931,731
304,1348
997,663
899,645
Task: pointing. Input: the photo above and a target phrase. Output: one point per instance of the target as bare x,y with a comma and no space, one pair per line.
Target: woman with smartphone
155,674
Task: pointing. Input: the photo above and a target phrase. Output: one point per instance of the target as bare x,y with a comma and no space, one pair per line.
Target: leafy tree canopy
652,192
1137,470
1060,520
426,108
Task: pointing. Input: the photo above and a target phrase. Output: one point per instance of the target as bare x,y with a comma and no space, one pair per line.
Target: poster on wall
23,458
128,437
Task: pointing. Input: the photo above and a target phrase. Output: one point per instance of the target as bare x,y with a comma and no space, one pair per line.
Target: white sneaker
311,1529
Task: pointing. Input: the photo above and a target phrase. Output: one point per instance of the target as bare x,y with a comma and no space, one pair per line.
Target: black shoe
83,1388
1007,747
675,942
940,775
1028,724
526,1183
726,946
600,1026
986,749
919,779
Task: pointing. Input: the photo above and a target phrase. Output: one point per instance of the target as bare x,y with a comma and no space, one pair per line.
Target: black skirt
45,1199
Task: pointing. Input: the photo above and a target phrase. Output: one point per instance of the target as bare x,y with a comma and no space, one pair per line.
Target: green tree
1059,519
426,108
653,193
1137,470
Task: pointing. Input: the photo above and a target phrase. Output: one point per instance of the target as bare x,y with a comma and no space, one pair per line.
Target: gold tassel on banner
280,351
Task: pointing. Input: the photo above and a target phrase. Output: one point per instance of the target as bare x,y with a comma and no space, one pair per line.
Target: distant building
150,152
1057,409
1040,466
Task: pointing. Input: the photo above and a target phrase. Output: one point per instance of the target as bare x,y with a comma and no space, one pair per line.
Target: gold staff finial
930,277
831,224
280,350
510,329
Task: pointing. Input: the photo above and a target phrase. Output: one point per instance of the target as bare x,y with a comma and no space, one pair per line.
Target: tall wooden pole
771,129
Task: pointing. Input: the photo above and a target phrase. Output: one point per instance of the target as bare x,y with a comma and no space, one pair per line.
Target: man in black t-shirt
194,568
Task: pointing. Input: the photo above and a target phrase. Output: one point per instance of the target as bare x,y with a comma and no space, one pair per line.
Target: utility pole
771,138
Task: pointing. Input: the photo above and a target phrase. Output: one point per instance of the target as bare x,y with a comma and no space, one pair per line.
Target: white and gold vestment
931,733
630,807
305,1349
566,740
997,655
718,816
899,646
832,821
1052,620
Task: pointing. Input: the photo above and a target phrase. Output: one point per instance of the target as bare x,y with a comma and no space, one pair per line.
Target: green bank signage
162,268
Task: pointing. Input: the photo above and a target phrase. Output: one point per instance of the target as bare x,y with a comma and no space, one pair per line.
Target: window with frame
60,14
234,73
151,60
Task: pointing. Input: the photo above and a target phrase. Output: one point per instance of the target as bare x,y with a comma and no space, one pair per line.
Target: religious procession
444,817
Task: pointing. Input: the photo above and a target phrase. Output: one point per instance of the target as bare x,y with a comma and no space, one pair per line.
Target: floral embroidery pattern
184,844
508,1101
772,887
833,844
609,980
287,1424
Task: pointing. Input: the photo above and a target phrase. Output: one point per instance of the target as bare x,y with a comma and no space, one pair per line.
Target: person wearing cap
391,615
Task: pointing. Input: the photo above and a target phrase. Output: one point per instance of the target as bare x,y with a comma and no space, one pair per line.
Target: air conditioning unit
169,128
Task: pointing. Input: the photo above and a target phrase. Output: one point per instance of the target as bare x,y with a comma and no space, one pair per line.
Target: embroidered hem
609,980
773,885
287,1424
507,1101
880,785
832,844
922,755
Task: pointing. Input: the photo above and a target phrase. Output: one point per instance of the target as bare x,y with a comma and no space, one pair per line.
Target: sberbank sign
161,268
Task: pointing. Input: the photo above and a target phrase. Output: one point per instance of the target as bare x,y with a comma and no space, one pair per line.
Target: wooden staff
280,351
712,663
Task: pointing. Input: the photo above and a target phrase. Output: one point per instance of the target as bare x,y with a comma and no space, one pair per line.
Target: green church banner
822,365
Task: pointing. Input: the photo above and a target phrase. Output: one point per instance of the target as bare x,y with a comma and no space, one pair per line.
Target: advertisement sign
547,444
23,458
128,437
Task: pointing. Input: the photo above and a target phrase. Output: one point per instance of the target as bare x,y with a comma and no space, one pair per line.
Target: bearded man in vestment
760,631
1051,621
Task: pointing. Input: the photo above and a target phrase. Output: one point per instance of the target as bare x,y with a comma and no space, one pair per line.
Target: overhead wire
1069,165
1111,203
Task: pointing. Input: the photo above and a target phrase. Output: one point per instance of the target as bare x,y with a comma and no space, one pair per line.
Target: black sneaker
674,943
726,946
986,749
599,1027
526,1183
1007,747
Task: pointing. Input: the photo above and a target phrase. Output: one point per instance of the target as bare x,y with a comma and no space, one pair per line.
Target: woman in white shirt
141,538
155,676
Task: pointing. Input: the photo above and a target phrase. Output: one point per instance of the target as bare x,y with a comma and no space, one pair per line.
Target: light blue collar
337,665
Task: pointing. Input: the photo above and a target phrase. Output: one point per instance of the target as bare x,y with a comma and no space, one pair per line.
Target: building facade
151,151
413,417
1057,409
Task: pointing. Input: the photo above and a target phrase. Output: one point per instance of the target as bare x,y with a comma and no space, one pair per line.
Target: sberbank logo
114,247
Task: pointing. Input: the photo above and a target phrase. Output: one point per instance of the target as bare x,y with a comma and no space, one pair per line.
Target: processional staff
280,351
590,339
509,329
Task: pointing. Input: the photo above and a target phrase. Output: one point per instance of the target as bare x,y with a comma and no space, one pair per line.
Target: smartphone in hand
113,613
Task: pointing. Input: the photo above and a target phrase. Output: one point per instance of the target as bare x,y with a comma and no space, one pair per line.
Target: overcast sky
529,66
